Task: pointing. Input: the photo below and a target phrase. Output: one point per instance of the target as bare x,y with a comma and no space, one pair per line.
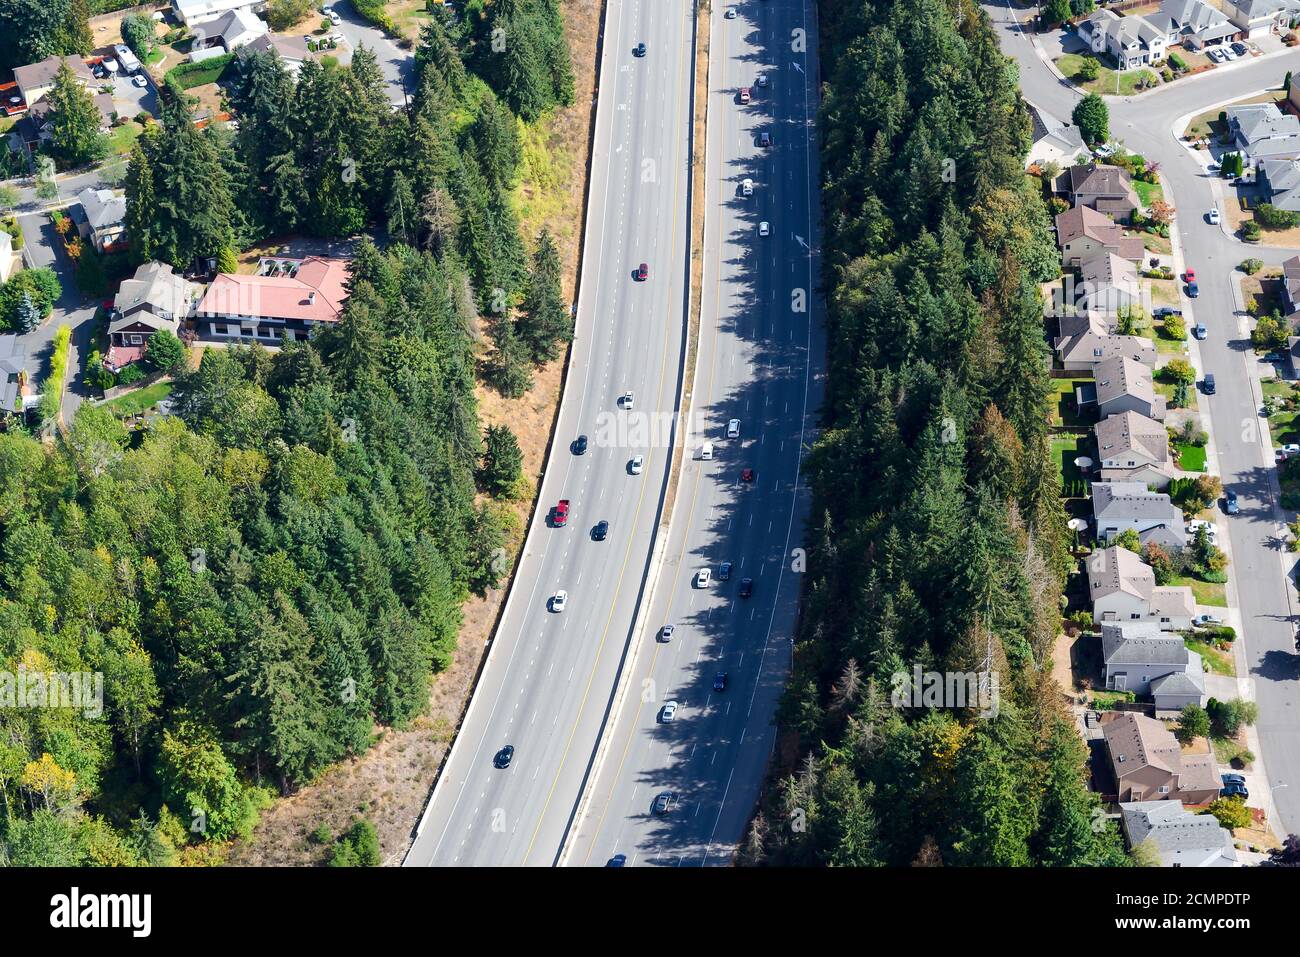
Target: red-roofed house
287,295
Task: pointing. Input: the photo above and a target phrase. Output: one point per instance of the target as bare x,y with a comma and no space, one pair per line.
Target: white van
706,451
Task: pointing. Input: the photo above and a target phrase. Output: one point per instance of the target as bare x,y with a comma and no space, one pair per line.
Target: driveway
398,65
129,99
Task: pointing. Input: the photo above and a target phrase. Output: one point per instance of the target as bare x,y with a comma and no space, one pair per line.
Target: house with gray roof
1123,588
13,375
101,217
1054,140
1124,384
1105,189
1281,178
1139,657
1178,837
1257,18
155,298
1133,448
1118,507
1086,350
1263,132
1107,284
1133,41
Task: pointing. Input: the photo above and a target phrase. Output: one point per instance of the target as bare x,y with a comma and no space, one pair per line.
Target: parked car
1207,383
139,80
730,13
1230,503
1189,277
1193,290
1240,49
1199,331
1235,790
1213,216
1230,777
761,80
1203,620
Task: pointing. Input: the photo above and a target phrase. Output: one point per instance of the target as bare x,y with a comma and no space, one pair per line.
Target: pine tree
508,366
28,315
502,460
546,319
75,36
75,137
401,210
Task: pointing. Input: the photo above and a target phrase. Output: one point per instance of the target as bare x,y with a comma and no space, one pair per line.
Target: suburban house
102,218
1125,385
37,79
193,12
1070,324
1123,588
1150,765
1281,178
1132,41
1082,353
290,296
13,374
1105,189
293,51
1082,233
34,128
1259,17
155,298
1194,24
1262,132
1119,507
10,261
232,30
1107,284
1133,448
1055,141
1142,659
1178,837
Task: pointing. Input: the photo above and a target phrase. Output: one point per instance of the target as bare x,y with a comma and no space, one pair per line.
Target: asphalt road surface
1260,564
761,361
547,686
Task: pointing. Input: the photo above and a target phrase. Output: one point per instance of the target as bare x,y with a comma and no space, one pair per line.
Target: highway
1146,124
547,685
761,361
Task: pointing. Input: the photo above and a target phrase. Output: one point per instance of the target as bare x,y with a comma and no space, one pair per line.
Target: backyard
141,400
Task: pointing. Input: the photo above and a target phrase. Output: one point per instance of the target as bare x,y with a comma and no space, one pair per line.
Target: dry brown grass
391,782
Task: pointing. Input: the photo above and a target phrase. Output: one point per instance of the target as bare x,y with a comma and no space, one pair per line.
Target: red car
642,272
1190,276
561,513
747,475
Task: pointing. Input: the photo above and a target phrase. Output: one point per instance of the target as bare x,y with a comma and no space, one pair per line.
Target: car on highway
636,465
747,475
642,272
747,187
1193,290
579,446
746,587
560,514
702,576
669,712
559,600
664,802
599,531
626,400
730,13
618,860
502,759
764,229
1199,331
744,94
1212,217
666,633
760,80
1230,503
720,681
733,429
724,572
764,139
1207,384
639,50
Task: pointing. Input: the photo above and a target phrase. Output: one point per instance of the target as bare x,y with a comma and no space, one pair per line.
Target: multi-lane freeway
548,682
1147,124
760,360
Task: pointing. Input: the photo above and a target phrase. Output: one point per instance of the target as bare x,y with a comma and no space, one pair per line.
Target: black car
720,681
580,445
639,50
724,571
1208,383
600,531
504,757
1230,503
1239,49
1235,790
618,860
746,587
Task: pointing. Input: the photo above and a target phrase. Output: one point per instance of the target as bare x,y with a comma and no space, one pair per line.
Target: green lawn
1065,449
1215,661
1167,390
1191,458
1148,193
1105,83
1063,410
122,138
1283,427
133,403
1206,593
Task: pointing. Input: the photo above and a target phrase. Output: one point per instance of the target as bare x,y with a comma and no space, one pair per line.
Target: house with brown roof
1124,384
1134,448
1123,588
286,297
1083,353
1108,284
37,79
1149,764
1105,189
1083,233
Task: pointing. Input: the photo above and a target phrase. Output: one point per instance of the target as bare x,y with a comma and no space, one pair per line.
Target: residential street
398,65
1147,124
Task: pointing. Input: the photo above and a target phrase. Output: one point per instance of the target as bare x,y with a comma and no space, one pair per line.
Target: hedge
190,75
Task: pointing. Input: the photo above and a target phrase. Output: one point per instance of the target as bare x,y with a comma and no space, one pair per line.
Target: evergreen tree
75,136
546,320
502,460
508,367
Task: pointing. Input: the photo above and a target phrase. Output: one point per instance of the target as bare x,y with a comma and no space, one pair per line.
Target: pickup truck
561,513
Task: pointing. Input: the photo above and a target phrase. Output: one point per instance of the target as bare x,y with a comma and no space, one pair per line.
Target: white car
746,185
702,576
1208,620
637,464
730,13
626,400
670,711
733,429
559,600
334,17
761,80
666,632
1291,448
1213,216
138,80
764,229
